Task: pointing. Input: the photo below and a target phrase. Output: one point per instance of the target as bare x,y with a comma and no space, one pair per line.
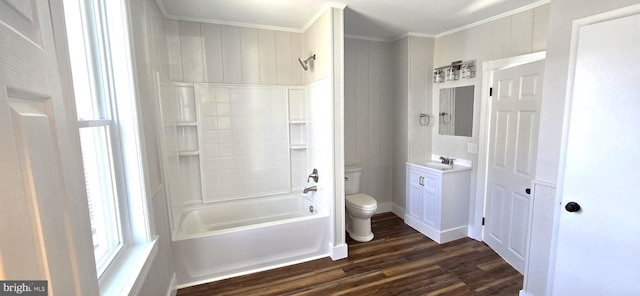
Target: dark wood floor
399,261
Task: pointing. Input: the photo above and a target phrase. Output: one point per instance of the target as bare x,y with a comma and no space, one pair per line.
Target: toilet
360,207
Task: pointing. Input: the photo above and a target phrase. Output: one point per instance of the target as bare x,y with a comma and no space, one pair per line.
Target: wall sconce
457,70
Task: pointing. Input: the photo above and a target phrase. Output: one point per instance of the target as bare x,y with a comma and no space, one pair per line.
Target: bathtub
228,239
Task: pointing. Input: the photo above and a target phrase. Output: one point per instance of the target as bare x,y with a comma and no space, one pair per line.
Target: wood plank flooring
399,261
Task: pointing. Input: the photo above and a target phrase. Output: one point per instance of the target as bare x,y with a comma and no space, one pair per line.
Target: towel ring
428,119
445,115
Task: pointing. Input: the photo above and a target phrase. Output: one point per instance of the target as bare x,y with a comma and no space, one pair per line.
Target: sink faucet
312,188
447,160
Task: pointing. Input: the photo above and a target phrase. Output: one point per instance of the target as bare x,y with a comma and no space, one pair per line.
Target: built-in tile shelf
189,153
186,123
298,147
297,121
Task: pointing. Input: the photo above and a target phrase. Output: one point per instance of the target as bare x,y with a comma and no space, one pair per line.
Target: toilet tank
352,181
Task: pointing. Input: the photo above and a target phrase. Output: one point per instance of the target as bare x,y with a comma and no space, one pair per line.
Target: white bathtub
227,239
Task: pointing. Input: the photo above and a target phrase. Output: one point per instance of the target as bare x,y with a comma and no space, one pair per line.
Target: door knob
527,191
572,207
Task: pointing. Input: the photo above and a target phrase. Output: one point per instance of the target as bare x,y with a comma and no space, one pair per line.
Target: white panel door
597,246
40,174
512,156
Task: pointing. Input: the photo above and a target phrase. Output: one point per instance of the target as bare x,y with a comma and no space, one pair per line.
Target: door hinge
491,91
482,220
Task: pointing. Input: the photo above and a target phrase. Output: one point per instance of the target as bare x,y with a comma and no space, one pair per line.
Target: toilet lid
361,201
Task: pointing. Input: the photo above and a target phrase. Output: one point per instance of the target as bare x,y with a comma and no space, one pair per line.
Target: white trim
129,276
173,286
412,34
162,8
384,207
322,10
230,23
347,36
255,270
397,210
475,227
493,18
339,252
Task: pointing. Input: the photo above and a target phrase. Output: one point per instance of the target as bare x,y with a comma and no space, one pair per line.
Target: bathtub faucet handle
314,176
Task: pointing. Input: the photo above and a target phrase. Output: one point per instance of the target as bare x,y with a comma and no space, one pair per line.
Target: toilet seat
361,201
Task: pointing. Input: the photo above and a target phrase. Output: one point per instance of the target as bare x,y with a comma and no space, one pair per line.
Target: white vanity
437,202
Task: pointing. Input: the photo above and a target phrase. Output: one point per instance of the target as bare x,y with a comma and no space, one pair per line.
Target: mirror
456,111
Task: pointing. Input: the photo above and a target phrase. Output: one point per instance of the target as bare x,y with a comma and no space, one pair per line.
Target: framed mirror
455,116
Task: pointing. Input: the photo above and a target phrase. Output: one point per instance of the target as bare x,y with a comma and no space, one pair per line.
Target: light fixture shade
451,74
467,70
437,76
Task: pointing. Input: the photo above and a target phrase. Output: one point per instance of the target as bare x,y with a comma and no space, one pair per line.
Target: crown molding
493,18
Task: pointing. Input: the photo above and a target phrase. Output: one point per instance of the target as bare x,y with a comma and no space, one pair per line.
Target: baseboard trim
398,211
384,207
173,286
339,252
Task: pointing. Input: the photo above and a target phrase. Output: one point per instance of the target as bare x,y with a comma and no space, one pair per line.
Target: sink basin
437,166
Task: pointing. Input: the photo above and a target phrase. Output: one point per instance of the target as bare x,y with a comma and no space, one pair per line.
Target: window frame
109,47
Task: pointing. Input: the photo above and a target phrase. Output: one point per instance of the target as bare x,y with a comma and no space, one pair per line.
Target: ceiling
376,19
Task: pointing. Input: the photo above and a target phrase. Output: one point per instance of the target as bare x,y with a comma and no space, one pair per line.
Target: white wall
368,117
201,52
400,134
412,70
324,84
421,51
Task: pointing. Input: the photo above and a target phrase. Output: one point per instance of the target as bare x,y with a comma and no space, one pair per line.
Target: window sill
127,272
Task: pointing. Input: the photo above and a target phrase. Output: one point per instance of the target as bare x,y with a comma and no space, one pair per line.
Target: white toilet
360,207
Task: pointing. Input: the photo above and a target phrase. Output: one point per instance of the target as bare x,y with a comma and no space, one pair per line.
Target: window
105,103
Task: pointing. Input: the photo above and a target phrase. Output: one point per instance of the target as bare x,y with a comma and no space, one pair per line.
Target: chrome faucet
312,188
447,160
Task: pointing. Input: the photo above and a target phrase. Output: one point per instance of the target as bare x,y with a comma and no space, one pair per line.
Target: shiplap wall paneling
200,52
175,50
368,105
232,54
250,53
212,39
362,112
376,182
192,55
297,72
284,58
540,28
521,33
267,56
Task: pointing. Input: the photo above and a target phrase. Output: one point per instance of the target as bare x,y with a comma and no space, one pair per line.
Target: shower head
305,63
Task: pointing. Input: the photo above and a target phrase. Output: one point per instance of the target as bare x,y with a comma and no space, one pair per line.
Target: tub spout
312,188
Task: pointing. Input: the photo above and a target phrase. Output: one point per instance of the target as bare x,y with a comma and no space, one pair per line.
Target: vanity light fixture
457,70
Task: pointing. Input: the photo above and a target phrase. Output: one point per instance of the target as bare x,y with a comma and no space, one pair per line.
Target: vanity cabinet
437,201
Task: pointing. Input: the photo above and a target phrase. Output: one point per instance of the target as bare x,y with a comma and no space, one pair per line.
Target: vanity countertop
436,168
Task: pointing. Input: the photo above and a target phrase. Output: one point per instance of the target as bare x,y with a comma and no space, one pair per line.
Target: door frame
476,230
